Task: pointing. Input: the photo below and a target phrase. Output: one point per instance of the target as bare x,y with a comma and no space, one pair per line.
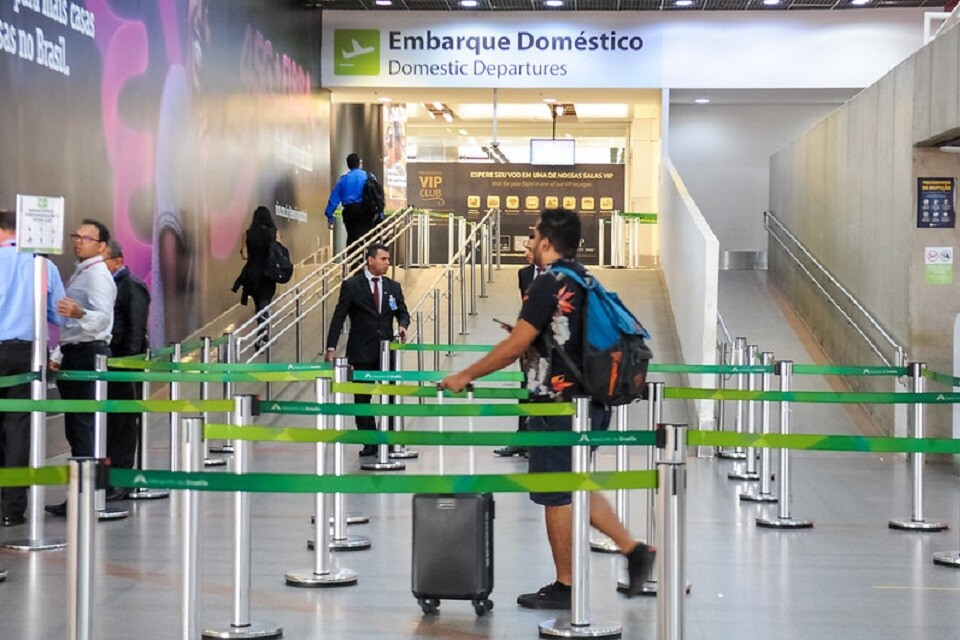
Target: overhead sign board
432,50
616,50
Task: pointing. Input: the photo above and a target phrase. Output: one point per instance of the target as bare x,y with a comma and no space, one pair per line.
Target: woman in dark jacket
256,247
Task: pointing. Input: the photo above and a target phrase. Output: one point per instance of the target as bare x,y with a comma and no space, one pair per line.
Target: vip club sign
404,52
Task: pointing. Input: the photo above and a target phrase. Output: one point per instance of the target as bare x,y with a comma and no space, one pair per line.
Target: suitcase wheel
482,606
429,605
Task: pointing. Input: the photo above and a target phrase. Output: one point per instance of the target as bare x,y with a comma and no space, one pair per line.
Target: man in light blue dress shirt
17,332
88,309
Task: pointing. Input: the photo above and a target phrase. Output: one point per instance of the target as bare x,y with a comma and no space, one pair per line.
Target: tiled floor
848,577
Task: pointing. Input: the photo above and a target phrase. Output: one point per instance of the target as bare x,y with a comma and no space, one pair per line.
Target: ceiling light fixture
384,99
468,3
771,3
683,3
549,100
554,3
703,100
859,3
384,3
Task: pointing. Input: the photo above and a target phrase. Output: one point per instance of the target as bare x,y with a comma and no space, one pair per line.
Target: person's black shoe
57,509
117,493
12,521
507,452
639,566
552,596
368,450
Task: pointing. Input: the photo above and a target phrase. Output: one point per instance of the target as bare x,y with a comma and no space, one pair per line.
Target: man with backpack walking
362,199
552,321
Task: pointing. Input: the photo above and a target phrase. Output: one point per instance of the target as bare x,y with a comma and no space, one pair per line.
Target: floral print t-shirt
554,306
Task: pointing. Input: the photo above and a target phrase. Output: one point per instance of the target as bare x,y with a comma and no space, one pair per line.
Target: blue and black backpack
615,355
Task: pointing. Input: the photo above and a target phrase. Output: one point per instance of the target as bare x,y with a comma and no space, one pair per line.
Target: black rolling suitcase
453,549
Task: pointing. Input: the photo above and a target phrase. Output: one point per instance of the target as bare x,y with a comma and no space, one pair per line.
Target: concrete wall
723,153
847,189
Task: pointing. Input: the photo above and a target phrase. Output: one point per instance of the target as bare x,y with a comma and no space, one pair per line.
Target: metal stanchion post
341,541
298,328
498,245
763,493
244,408
488,250
471,454
192,445
463,296
917,522
87,477
440,429
323,573
671,541
450,308
654,417
578,624
726,350
100,443
483,262
473,268
323,304
599,542
437,339
748,471
400,451
228,354
206,356
383,462
784,521
36,494
739,355
175,416
144,493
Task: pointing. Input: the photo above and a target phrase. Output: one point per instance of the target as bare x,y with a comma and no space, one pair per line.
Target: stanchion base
649,588
336,578
252,630
402,453
918,525
731,455
383,466
214,462
604,545
784,523
41,544
743,474
226,448
561,628
947,559
352,518
350,543
148,494
113,514
756,496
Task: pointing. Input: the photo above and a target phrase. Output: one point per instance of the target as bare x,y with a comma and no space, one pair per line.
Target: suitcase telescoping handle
471,454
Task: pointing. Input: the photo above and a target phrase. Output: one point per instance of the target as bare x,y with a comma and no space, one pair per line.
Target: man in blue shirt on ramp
349,192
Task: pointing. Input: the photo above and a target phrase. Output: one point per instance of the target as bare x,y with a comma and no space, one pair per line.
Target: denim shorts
549,459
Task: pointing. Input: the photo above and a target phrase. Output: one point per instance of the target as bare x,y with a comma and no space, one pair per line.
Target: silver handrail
723,327
900,351
309,292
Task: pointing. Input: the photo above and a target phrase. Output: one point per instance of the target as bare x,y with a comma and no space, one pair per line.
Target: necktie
376,294
536,272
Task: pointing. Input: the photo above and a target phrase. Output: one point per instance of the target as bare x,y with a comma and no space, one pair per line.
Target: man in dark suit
130,312
525,276
372,301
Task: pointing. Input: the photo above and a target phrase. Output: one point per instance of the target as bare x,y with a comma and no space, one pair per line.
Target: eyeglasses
84,238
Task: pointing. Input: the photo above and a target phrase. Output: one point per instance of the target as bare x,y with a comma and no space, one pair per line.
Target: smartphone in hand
506,326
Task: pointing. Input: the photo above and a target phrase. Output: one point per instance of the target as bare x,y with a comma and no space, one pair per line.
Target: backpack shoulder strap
567,271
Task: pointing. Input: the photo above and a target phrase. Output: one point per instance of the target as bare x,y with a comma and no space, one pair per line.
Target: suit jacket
367,326
524,278
130,312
